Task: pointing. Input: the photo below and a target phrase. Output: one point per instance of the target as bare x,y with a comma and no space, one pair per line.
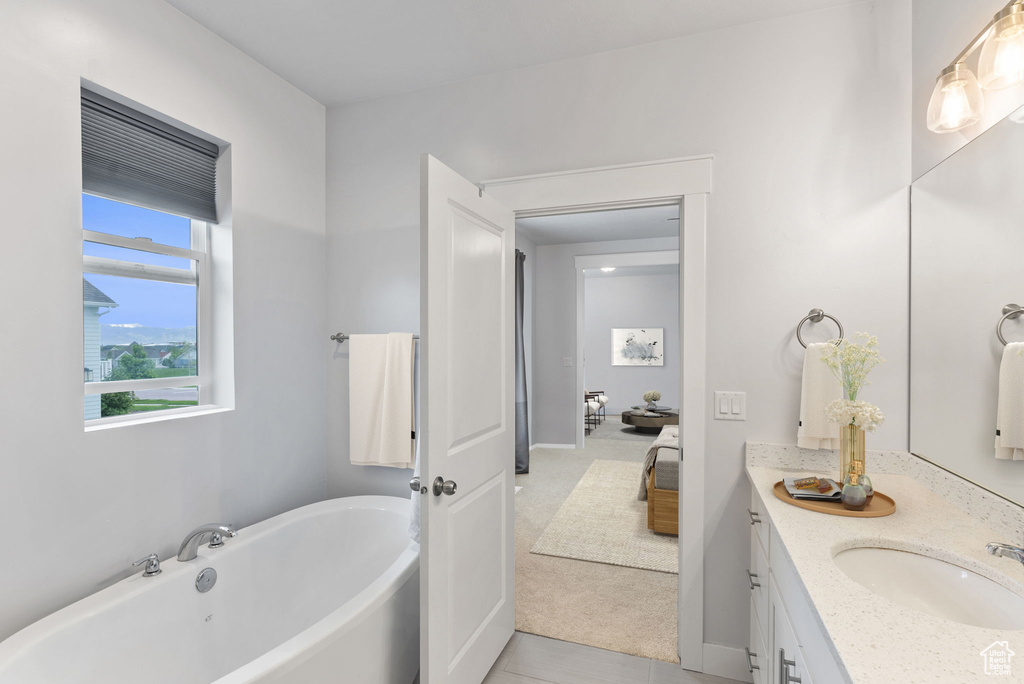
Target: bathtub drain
206,579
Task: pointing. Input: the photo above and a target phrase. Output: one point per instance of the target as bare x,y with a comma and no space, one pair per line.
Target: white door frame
688,182
618,260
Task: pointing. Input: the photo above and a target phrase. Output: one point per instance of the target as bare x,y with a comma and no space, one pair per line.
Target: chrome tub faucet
215,531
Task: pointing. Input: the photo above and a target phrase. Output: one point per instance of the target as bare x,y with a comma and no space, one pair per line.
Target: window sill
98,424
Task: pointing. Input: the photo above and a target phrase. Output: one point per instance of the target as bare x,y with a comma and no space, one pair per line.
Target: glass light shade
1001,64
957,101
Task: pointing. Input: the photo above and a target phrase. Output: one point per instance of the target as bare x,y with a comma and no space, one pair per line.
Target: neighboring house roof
156,352
92,296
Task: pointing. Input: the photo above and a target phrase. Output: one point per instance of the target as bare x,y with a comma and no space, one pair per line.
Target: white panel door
467,245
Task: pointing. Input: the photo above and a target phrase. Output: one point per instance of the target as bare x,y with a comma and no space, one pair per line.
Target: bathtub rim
20,644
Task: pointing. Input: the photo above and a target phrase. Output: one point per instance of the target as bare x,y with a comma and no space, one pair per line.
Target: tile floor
530,659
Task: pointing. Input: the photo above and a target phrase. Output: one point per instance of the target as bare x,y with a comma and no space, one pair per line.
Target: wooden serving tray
880,506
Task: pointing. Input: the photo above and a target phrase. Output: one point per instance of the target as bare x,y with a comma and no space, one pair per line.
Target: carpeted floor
617,608
602,521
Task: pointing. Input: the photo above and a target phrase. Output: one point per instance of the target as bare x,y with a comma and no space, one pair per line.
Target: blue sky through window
140,302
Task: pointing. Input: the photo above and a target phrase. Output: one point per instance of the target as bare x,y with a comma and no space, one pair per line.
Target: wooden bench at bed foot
662,508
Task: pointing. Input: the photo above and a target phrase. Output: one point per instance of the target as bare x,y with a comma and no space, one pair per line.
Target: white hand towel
1010,413
818,388
380,393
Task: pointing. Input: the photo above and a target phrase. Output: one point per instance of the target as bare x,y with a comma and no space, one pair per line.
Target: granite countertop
876,640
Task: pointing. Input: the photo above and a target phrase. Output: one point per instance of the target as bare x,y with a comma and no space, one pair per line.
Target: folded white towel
818,388
667,439
1010,413
380,392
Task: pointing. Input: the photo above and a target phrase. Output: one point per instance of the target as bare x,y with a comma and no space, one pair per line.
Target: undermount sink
933,586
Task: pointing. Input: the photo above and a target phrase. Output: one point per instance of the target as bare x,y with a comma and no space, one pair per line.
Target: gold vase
851,449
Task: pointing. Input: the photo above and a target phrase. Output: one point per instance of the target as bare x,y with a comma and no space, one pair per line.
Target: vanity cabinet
786,642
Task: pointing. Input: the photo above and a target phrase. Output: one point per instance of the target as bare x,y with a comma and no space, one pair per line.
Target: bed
660,482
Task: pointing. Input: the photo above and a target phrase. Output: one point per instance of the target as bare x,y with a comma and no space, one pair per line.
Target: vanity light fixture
607,269
1001,64
957,100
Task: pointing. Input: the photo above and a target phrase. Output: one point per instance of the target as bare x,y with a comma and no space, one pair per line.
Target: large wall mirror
967,264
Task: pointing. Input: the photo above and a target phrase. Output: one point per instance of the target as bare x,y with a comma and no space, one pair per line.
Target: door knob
443,486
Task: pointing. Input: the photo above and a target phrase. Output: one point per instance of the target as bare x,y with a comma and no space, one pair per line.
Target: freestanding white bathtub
324,593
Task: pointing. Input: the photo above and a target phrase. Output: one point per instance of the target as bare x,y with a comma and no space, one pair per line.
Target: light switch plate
567,361
730,406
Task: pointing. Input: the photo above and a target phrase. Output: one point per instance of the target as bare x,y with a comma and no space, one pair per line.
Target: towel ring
816,316
1009,311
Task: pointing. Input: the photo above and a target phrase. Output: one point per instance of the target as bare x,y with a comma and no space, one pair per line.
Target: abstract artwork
638,347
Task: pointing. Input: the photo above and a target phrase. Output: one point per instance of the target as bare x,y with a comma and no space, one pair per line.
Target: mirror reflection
967,274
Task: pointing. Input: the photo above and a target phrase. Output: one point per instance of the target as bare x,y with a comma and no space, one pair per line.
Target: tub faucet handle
152,565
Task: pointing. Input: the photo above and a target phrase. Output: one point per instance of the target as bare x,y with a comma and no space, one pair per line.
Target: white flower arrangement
864,415
653,395
851,361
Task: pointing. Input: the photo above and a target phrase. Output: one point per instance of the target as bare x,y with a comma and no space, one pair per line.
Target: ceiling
341,51
601,226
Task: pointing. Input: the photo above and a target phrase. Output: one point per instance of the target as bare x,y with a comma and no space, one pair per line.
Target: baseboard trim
726,661
552,446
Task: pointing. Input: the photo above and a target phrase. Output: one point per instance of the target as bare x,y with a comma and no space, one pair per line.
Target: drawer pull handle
750,661
750,578
755,518
784,665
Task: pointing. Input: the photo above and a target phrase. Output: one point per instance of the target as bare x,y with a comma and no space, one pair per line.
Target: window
149,195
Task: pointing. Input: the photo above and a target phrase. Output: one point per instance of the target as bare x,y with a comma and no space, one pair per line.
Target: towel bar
816,316
1009,311
341,337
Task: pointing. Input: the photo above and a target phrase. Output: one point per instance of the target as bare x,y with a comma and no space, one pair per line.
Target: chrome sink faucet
215,531
1006,551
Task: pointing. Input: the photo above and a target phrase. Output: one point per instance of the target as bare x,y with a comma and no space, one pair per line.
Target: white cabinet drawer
788,658
759,520
758,655
757,582
803,617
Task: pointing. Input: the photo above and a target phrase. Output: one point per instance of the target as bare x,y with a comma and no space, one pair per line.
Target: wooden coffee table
651,423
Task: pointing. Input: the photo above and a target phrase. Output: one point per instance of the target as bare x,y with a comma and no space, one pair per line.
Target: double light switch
730,405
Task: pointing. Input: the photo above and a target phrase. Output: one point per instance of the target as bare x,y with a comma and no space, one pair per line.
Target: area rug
602,521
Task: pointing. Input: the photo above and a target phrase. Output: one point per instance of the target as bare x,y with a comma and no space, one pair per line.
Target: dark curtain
522,422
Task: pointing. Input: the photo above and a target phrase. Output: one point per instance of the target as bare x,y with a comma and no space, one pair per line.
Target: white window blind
132,157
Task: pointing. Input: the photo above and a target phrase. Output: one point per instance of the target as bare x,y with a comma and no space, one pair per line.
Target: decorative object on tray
851,360
652,398
638,347
813,488
879,506
855,494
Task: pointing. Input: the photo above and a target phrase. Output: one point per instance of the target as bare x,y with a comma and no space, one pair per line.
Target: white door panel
467,366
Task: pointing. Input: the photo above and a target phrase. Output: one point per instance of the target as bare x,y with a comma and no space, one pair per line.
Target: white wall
941,29
808,119
77,508
642,301
524,245
554,398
